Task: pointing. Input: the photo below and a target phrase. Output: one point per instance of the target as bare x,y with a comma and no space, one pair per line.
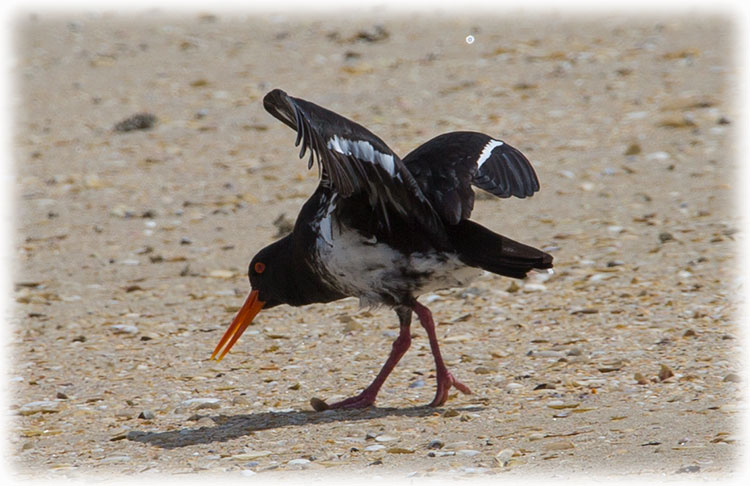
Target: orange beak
241,321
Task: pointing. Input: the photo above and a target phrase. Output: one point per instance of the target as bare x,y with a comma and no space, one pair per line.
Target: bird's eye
259,267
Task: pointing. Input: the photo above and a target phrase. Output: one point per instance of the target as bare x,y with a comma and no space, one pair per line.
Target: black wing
446,167
354,160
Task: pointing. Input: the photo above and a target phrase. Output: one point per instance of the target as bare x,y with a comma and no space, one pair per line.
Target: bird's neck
303,285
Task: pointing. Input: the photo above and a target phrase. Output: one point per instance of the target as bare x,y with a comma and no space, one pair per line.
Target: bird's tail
479,247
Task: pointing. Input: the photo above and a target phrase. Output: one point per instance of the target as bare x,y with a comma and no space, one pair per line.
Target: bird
386,230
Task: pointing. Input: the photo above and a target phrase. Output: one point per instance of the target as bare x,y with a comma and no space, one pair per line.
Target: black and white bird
385,229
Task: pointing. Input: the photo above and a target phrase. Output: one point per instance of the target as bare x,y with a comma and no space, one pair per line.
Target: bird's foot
363,400
445,381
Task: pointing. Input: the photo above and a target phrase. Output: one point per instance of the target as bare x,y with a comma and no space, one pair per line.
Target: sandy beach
132,243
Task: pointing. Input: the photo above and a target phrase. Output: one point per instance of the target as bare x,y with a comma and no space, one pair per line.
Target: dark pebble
544,386
377,34
664,237
435,444
140,121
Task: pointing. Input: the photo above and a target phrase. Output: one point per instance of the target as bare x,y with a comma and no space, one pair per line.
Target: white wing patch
362,150
487,152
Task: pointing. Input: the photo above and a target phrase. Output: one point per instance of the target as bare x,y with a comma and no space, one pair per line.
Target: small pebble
665,372
658,156
504,456
441,453
417,383
250,455
318,405
544,386
124,329
41,406
633,149
200,403
375,447
665,236
353,326
140,121
385,438
547,354
467,452
296,462
205,422
484,370
435,444
642,380
399,450
733,378
221,274
146,415
558,446
112,459
534,287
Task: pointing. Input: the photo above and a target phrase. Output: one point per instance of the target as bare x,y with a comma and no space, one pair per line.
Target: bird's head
270,276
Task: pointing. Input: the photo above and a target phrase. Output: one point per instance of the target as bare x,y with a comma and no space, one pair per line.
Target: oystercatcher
385,229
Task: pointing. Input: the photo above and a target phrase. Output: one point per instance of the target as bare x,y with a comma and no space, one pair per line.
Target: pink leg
368,395
444,377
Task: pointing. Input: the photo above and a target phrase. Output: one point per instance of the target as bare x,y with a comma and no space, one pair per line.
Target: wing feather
353,160
446,167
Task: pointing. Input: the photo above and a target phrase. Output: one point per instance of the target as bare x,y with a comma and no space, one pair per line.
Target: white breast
365,268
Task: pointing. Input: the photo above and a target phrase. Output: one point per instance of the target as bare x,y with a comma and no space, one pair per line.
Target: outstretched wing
450,163
354,160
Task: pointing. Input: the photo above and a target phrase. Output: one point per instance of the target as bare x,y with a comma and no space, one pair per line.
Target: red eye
259,267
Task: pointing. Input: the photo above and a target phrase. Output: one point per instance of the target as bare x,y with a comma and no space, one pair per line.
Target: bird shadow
230,427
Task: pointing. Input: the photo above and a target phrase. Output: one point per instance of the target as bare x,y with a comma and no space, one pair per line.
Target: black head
269,278
278,275
270,273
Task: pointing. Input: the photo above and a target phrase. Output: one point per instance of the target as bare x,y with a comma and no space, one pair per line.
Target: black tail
479,247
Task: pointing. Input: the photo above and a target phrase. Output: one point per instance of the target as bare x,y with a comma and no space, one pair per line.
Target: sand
132,248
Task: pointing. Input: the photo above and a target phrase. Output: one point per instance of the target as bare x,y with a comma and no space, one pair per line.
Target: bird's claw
360,401
445,381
